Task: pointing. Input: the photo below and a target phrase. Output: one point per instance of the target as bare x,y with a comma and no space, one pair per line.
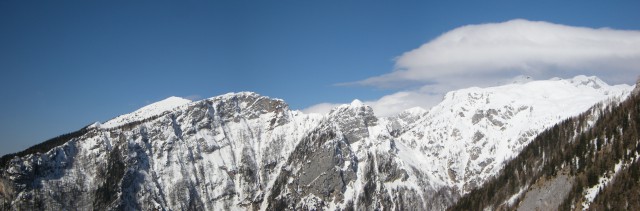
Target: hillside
586,162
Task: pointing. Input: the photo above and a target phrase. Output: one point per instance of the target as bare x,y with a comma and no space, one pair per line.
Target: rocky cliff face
218,153
246,151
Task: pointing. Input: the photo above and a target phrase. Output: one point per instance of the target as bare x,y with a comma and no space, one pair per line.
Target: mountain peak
168,102
588,81
147,111
245,96
173,98
522,79
356,103
238,94
355,107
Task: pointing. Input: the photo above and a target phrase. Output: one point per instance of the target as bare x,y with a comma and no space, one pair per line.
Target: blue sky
66,64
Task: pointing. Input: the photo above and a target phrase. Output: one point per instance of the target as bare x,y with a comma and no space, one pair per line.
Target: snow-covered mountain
465,139
587,162
246,151
148,111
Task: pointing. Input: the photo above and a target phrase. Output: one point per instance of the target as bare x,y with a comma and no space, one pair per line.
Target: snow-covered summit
522,79
244,94
147,111
559,96
249,99
247,103
356,103
473,131
588,81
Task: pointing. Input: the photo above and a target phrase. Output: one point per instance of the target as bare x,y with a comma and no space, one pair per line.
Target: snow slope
153,109
467,137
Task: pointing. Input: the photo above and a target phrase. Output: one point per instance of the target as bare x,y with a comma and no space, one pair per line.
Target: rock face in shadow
317,172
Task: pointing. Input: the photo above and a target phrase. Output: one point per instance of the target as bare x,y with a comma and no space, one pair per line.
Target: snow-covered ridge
482,127
174,103
242,151
147,111
473,131
558,96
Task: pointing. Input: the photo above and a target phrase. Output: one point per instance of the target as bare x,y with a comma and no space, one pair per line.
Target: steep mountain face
590,161
246,151
213,154
467,138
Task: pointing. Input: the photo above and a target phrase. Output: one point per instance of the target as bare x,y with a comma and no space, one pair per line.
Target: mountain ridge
259,154
586,162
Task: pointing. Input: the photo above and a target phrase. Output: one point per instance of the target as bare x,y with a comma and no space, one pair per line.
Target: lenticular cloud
497,53
518,47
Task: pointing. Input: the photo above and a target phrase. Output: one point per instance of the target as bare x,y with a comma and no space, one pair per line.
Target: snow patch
591,193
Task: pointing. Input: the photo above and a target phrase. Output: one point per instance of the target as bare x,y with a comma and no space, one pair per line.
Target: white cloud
388,105
501,50
494,53
322,108
392,104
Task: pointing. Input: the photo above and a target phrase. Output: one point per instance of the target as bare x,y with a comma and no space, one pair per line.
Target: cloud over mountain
496,53
516,47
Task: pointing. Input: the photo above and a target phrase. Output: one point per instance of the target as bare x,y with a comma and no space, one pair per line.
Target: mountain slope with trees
597,151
